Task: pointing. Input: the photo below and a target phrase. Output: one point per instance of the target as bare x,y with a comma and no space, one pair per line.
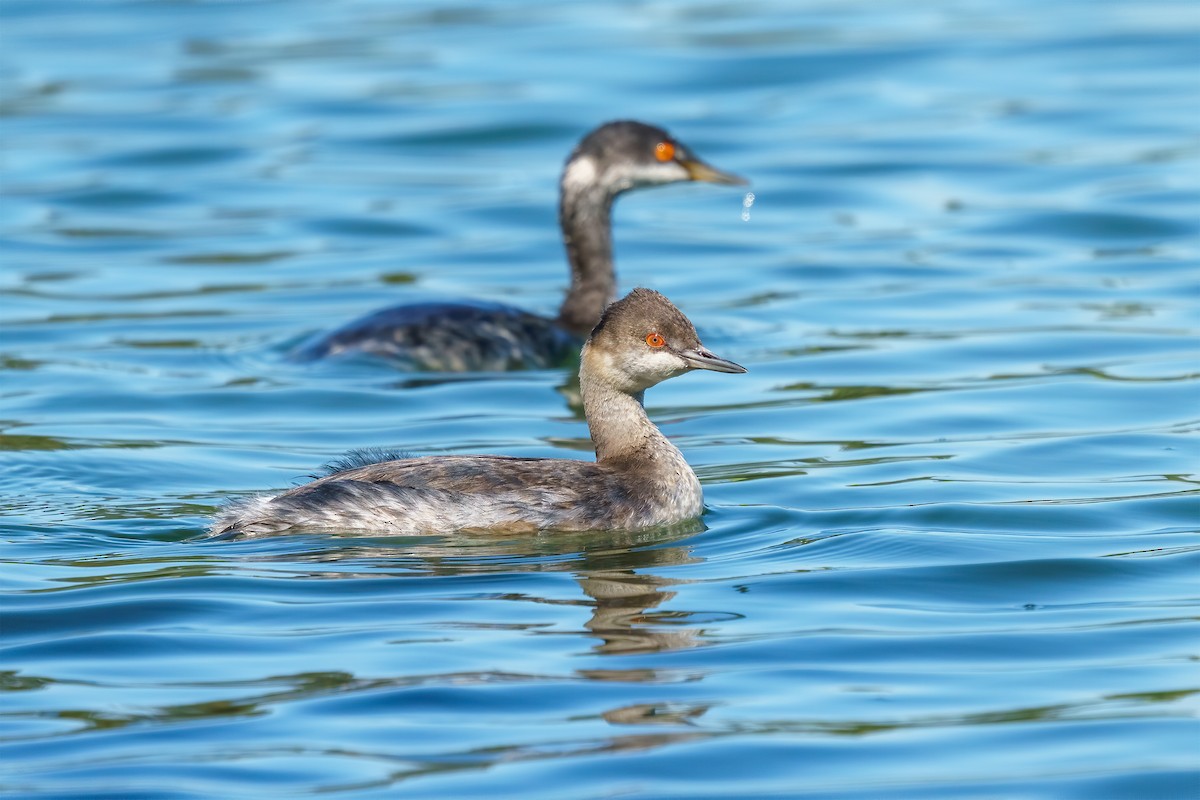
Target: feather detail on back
363,457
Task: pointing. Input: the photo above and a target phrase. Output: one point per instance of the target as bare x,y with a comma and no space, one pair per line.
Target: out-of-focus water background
951,545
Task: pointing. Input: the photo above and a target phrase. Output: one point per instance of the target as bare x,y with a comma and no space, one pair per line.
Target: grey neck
585,214
616,418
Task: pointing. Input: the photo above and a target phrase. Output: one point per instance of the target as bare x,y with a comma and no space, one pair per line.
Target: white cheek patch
623,176
636,369
660,364
620,177
580,173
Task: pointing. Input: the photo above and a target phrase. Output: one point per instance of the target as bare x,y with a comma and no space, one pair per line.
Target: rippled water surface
951,544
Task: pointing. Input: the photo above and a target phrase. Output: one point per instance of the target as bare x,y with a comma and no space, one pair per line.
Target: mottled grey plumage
363,457
639,479
452,337
467,336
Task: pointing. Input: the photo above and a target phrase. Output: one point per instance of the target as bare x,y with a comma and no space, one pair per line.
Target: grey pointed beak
699,171
700,358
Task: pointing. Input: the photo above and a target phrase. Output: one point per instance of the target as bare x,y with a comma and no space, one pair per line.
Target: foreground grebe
461,336
639,478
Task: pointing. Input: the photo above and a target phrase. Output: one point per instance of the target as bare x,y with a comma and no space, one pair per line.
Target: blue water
954,526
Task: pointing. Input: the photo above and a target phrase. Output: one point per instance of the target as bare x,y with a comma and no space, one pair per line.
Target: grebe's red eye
664,151
655,339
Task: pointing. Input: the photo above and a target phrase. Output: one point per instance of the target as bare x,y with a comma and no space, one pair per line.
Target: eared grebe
638,479
462,336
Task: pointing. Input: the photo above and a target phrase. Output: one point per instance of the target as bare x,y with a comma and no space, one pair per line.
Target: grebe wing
442,494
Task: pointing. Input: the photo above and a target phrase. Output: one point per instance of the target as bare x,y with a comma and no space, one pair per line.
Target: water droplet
747,201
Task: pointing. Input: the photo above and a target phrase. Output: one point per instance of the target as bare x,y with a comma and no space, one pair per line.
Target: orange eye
655,339
664,151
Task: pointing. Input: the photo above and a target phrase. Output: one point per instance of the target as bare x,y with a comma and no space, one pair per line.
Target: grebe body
639,478
615,158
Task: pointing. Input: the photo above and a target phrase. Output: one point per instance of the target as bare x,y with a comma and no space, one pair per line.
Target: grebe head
624,155
643,339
